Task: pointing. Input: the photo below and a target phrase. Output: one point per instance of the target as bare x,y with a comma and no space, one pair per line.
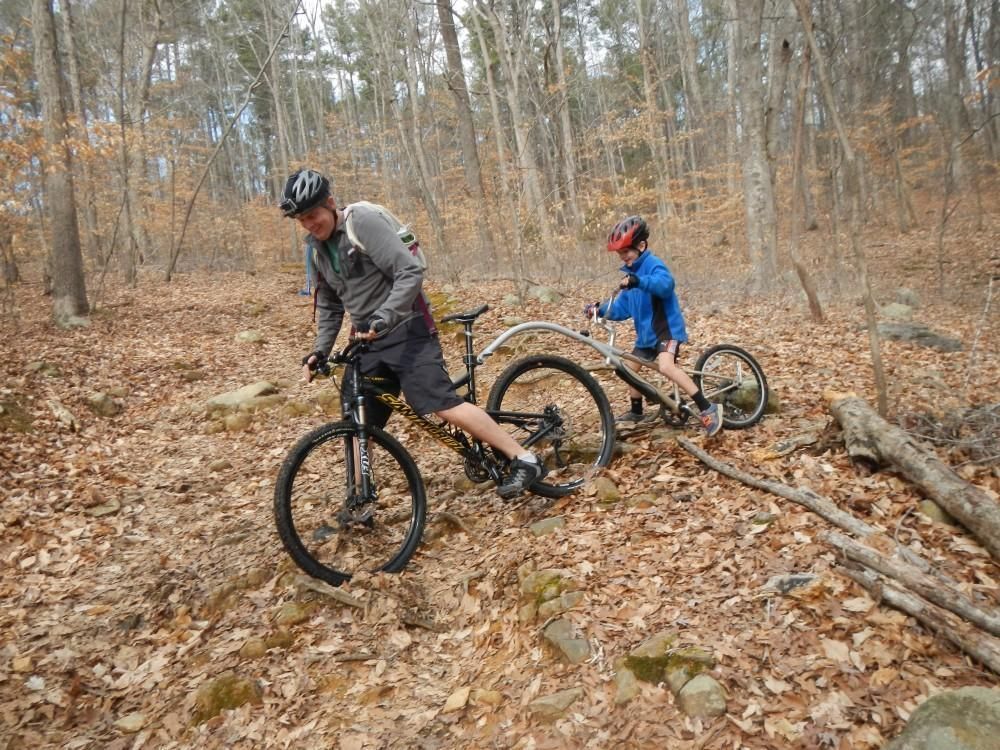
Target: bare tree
69,291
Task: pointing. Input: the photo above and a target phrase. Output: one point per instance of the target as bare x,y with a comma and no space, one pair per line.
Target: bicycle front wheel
328,526
730,377
556,409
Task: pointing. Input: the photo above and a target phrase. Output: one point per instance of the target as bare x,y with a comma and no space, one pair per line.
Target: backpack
403,231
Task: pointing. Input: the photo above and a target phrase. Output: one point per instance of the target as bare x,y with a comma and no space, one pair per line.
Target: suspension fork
359,470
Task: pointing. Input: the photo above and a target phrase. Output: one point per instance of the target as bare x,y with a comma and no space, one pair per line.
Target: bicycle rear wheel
327,528
556,409
730,377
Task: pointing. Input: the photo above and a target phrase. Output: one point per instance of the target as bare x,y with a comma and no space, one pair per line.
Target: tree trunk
852,181
968,504
69,291
758,186
91,243
566,128
655,134
455,77
808,285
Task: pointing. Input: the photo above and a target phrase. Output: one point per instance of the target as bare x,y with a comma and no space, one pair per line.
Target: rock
897,311
566,600
103,405
292,613
118,391
249,337
702,697
963,719
684,665
45,368
544,294
131,723
936,513
456,700
908,297
536,582
626,686
649,659
527,612
561,634
512,300
227,691
237,422
280,638
787,582
606,491
547,525
262,403
512,320
221,465
254,648
918,334
13,416
192,376
104,509
231,401
642,501
489,697
554,706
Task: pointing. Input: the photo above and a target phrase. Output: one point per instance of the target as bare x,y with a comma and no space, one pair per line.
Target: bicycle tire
718,370
310,494
580,423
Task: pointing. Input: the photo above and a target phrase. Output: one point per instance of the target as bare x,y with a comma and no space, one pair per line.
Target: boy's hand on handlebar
630,281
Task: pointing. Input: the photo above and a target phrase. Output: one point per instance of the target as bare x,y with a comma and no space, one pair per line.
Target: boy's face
628,255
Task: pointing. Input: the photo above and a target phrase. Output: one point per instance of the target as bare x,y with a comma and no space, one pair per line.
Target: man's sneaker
711,419
629,417
522,475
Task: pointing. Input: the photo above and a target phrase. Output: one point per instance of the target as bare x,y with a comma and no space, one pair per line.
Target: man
381,288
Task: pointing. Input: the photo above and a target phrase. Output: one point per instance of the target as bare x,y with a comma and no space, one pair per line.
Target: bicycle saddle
466,317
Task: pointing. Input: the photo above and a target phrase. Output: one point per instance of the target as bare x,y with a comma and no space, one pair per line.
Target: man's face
319,221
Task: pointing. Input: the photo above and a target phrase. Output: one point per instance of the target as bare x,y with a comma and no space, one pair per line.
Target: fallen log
821,506
968,638
920,583
968,504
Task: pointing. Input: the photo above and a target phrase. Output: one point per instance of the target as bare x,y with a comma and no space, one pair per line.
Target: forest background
801,164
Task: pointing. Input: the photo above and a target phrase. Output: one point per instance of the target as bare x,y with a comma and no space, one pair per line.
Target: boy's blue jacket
652,306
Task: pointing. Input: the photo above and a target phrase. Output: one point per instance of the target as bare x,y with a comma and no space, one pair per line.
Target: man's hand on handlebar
312,363
591,309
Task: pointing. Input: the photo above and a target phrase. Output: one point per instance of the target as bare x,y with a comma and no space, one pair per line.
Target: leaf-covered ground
139,553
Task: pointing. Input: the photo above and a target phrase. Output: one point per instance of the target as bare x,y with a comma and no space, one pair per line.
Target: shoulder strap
349,227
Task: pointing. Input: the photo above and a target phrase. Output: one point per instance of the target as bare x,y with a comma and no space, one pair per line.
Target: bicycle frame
612,355
364,387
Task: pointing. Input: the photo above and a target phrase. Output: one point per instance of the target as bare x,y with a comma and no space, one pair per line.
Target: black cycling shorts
410,358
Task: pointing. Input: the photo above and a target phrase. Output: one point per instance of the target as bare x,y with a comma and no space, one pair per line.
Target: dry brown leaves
120,540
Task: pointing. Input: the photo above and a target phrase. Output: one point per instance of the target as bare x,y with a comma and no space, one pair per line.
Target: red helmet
628,233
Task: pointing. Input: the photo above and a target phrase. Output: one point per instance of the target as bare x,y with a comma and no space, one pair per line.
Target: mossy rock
227,691
13,416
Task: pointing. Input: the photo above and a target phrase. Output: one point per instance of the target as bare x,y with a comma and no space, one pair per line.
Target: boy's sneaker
711,419
629,417
522,475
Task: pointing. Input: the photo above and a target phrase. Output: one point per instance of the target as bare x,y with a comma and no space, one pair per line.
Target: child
650,301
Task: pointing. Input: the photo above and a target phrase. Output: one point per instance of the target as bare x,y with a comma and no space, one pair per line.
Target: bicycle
350,497
725,373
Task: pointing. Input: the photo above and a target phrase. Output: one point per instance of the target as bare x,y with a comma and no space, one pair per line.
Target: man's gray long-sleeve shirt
380,283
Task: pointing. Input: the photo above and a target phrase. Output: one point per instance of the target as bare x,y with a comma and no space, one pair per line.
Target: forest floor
139,551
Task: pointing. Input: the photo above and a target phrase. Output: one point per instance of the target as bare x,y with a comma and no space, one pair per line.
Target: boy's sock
530,458
637,405
701,401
